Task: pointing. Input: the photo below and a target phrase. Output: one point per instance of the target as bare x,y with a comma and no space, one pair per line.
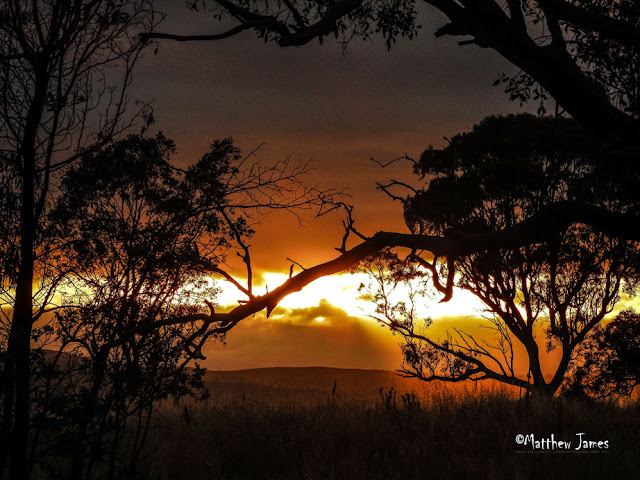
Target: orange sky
337,110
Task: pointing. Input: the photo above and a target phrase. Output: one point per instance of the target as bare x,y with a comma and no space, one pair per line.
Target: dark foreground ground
290,424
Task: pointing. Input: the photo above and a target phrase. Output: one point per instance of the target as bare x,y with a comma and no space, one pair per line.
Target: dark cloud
323,314
316,101
319,103
338,110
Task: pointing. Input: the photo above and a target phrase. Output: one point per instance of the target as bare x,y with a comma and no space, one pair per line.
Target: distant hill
296,384
316,383
315,378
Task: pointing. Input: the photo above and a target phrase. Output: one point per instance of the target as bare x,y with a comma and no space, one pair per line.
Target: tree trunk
19,348
90,406
8,393
563,366
19,352
19,344
540,388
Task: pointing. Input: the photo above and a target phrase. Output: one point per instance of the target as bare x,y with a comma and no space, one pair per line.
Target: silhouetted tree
141,242
608,363
505,170
56,102
582,54
65,67
131,247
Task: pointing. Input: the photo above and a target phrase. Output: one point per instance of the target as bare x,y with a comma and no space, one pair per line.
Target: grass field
292,423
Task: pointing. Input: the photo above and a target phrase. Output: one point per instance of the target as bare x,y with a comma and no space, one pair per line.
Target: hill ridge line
340,369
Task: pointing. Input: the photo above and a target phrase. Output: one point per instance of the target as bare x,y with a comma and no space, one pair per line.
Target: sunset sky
337,109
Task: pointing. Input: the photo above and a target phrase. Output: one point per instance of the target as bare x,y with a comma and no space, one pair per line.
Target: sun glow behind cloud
325,324
329,323
342,291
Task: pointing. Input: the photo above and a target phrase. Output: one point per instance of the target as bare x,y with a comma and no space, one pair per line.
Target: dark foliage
491,179
609,362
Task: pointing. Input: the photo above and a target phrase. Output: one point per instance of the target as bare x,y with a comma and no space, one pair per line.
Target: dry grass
275,432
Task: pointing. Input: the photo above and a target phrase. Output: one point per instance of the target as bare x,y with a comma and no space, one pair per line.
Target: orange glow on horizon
327,323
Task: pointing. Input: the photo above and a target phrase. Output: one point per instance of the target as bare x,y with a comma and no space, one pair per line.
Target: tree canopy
507,169
609,362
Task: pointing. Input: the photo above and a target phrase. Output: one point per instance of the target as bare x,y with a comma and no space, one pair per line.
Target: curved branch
285,37
194,38
540,228
325,26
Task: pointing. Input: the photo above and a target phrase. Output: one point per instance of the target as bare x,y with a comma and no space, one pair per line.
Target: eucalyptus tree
551,294
145,243
60,96
65,70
